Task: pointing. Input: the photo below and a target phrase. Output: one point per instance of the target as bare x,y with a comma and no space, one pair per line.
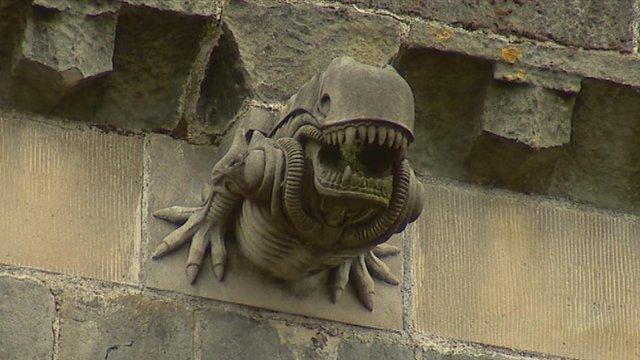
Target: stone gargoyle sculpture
322,189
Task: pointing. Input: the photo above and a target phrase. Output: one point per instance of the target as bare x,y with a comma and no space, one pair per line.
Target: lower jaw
326,189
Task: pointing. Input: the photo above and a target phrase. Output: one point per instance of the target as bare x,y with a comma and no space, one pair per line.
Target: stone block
62,45
154,55
584,23
282,45
27,312
231,336
123,326
602,165
176,173
516,272
71,202
353,349
429,354
191,7
531,106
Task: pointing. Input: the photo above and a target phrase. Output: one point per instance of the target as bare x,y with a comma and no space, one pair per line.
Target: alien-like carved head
362,119
366,116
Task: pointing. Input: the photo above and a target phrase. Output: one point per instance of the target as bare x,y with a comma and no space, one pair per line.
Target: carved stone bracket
321,188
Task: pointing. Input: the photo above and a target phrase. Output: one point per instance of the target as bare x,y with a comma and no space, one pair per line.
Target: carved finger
340,279
179,236
196,252
380,270
218,253
363,282
176,214
383,250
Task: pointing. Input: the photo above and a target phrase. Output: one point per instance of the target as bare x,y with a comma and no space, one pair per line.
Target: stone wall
527,140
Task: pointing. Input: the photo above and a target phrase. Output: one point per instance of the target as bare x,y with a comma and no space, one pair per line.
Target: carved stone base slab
176,172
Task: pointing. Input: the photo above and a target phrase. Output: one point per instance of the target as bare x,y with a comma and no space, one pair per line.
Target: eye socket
324,105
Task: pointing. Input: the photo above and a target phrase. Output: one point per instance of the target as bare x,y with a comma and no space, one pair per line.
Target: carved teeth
382,136
350,135
340,137
371,134
362,133
346,175
398,142
391,137
334,138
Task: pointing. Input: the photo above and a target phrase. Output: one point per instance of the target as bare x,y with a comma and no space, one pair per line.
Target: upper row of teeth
366,134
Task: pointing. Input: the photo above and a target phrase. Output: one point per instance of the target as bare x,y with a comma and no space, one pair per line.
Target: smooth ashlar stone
517,272
72,199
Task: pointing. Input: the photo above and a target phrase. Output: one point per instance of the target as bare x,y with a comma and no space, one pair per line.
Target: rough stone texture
530,106
354,349
27,312
58,50
455,95
428,354
584,23
223,88
191,7
123,326
537,117
449,91
13,14
73,199
509,271
602,165
606,65
176,173
282,45
153,56
231,336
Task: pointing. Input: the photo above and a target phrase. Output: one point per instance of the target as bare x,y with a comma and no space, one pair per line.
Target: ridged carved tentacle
309,132
374,231
294,170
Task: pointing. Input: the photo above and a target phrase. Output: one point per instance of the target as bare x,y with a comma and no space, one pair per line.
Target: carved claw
202,231
176,214
360,270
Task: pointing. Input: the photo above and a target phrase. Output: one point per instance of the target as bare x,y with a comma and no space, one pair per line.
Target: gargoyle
322,189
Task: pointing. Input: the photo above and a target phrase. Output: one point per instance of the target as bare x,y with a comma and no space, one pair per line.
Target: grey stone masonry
123,326
27,311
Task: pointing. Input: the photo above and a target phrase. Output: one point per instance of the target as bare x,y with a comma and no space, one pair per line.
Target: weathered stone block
584,23
449,91
62,45
232,336
354,349
516,272
282,45
72,199
602,165
428,354
531,106
176,173
123,326
153,58
191,7
27,311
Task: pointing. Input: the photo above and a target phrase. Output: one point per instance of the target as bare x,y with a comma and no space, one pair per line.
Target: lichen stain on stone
510,54
443,35
519,76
